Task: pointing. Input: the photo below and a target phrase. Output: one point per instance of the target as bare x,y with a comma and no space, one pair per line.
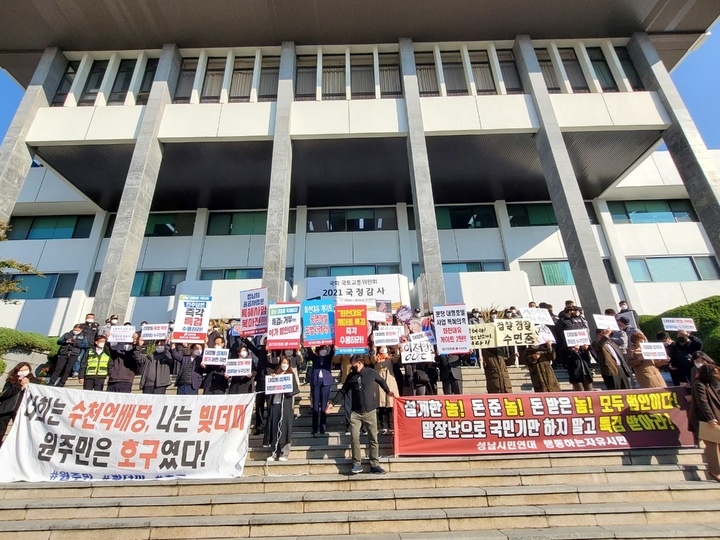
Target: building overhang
29,26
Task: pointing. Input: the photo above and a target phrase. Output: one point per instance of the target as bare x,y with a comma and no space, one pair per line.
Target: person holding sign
615,371
18,378
72,344
681,352
384,363
577,361
280,416
242,384
497,377
320,384
215,381
155,367
705,413
646,372
539,359
187,358
450,373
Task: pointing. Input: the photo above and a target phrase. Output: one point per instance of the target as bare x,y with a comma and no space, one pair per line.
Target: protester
359,385
450,373
155,367
321,359
625,326
705,407
385,360
624,308
680,353
72,344
214,381
187,359
90,329
497,378
538,359
94,366
18,378
615,371
242,384
646,371
109,323
578,362
280,416
266,365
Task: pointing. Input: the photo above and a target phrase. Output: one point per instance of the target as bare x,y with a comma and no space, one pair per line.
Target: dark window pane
186,79
426,74
65,84
629,68
337,220
305,77
683,211
212,85
318,221
321,271
38,287
411,217
219,224
94,285
64,286
602,69
707,267
43,228
184,224
92,85
241,82
292,222
19,228
609,270
333,76
170,281
454,74
269,72
360,220
147,81
617,211
362,76
574,71
64,227
110,225
209,275
482,72
493,266
122,81
386,219
548,70
83,226
592,216
511,77
390,82
525,215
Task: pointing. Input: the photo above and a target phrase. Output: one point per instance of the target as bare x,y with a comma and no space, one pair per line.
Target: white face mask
23,373
243,354
113,321
288,353
90,321
160,348
128,347
698,364
76,332
383,351
197,353
284,367
323,352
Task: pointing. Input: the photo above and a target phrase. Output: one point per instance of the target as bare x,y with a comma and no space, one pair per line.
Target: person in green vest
94,366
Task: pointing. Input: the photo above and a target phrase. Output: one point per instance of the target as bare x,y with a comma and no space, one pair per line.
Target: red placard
351,331
548,422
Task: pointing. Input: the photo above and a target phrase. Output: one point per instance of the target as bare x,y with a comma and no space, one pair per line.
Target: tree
9,285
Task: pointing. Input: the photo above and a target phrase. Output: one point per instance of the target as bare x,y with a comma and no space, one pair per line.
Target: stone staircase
614,494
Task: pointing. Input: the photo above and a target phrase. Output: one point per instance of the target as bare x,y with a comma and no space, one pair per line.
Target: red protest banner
527,423
351,332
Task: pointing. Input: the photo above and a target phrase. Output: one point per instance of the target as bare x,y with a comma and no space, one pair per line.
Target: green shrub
14,339
3,366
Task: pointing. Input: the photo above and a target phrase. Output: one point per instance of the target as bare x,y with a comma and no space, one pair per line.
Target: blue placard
318,322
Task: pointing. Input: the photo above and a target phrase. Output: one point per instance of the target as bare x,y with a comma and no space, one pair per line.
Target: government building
424,152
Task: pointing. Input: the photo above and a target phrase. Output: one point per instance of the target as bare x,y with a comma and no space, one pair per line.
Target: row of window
50,227
673,269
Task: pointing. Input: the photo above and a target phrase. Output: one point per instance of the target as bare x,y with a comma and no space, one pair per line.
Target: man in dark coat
450,373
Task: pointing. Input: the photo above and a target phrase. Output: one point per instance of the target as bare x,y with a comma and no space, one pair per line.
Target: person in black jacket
281,415
680,353
18,378
187,358
123,366
215,381
450,373
360,385
242,384
72,344
266,365
155,367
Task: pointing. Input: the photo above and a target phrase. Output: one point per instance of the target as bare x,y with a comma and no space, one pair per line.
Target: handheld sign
674,325
192,319
154,332
603,322
515,332
416,352
254,312
418,336
239,367
544,334
121,334
483,336
387,335
451,329
537,315
653,351
215,357
351,329
318,322
284,326
575,338
279,384
376,316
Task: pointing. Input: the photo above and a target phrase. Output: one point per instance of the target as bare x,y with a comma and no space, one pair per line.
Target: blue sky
697,78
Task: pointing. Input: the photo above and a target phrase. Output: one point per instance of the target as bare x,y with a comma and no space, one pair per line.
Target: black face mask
354,369
187,351
683,339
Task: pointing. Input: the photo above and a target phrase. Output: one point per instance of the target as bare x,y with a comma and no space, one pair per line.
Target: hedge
14,339
705,313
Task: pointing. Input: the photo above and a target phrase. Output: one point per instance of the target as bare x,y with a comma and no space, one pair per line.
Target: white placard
387,335
154,332
578,337
284,326
192,319
215,357
417,352
121,334
376,316
537,315
451,329
653,351
279,384
254,312
603,322
674,325
544,334
239,367
418,336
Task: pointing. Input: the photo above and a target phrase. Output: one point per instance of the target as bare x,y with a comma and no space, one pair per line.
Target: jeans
367,420
186,390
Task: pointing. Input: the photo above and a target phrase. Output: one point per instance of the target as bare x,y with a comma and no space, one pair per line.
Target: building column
583,253
280,177
299,265
197,244
698,170
15,158
123,254
512,263
404,240
421,184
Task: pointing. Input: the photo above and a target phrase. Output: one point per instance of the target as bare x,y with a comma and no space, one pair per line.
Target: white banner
61,434
537,315
121,334
239,367
387,335
253,312
192,319
279,384
603,322
451,329
653,351
155,332
284,326
215,357
416,352
574,338
673,325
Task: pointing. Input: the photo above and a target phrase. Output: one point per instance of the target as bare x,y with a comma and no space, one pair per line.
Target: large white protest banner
192,319
121,334
674,324
154,332
215,357
61,434
451,329
279,384
415,352
253,312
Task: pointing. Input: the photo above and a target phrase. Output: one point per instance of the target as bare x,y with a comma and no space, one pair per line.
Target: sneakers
357,469
282,458
271,458
377,470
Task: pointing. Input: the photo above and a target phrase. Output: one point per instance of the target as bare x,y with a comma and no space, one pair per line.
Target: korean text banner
318,322
284,326
192,319
62,434
253,312
526,423
451,329
351,331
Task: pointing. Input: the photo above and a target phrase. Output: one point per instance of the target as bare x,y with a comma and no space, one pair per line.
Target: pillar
15,158
698,170
421,184
583,253
280,176
116,278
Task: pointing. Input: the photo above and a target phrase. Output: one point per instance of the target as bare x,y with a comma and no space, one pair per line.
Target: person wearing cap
360,385
109,323
475,317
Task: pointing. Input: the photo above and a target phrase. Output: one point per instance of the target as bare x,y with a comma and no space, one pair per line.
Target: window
390,83
482,73
362,76
212,85
65,84
360,270
269,75
511,77
466,217
110,225
629,68
186,79
122,82
669,211
482,266
356,220
674,269
241,82
333,76
94,285
233,273
236,223
147,81
156,283
531,215
42,287
574,71
92,84
170,224
305,78
609,271
548,70
50,227
548,272
602,69
455,83
592,216
426,74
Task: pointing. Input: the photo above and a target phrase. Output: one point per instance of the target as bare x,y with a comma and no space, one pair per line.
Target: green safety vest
97,366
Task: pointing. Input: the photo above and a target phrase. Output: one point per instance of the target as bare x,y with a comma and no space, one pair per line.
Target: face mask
683,340
160,348
284,367
99,349
113,321
197,353
383,351
128,347
90,321
76,332
23,373
354,369
288,353
323,352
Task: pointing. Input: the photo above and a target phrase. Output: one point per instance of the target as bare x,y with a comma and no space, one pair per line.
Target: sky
697,79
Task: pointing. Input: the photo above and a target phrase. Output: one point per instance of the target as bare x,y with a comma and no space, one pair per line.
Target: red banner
552,422
351,331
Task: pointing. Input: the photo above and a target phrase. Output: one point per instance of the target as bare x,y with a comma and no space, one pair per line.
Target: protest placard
351,329
515,332
653,351
606,321
674,324
121,334
376,316
537,316
574,338
154,332
318,322
192,319
387,335
415,352
239,367
254,312
279,384
384,307
284,326
544,334
451,329
215,357
418,336
483,336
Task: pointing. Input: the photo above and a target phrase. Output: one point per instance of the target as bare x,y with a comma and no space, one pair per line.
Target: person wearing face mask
320,384
18,378
94,366
646,371
266,365
680,353
215,381
242,385
105,329
123,366
385,360
72,344
213,333
278,434
188,358
155,377
538,359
